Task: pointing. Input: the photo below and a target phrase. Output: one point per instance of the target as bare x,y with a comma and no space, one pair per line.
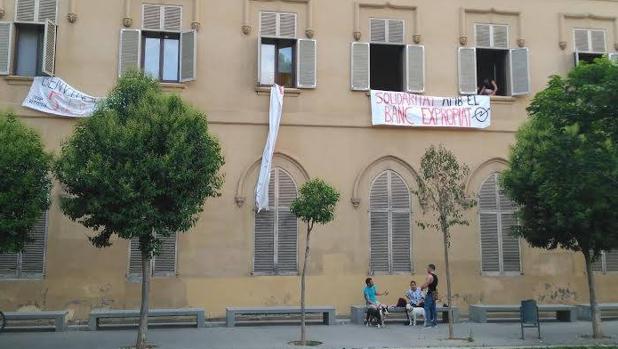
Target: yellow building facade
220,56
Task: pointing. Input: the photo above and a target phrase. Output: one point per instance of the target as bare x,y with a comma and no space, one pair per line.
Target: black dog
375,317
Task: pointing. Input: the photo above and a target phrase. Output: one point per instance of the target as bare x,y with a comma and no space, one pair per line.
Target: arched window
276,229
500,251
389,215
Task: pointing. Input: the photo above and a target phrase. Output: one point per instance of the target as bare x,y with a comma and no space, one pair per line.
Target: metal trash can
529,315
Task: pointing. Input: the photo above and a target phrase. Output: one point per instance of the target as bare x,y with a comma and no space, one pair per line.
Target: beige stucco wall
214,258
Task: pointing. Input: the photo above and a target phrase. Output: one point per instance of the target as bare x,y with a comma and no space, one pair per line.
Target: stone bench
328,312
358,313
585,312
97,314
59,317
564,312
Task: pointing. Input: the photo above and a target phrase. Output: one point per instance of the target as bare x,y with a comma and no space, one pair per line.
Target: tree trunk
303,329
143,315
597,331
448,286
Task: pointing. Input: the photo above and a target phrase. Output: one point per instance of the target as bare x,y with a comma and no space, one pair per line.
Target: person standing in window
488,88
431,284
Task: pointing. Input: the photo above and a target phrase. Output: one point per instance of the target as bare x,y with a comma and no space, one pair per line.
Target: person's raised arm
493,82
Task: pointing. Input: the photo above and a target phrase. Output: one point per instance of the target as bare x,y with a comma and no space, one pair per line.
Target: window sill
288,92
503,99
257,274
172,86
19,80
504,274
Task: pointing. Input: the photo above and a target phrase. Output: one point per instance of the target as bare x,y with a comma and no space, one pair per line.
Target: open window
589,45
386,63
282,58
491,67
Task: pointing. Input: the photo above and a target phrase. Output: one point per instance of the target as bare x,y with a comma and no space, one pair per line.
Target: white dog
416,312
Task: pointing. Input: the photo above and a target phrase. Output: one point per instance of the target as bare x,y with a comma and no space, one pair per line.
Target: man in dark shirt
431,284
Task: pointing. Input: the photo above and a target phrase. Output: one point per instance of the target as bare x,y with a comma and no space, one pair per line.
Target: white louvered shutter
500,36
396,34
268,24
613,57
151,17
360,66
47,11
378,216
6,32
400,224
597,41
306,64
188,55
129,55
377,29
510,244
482,35
33,255
264,235
165,262
287,224
49,48
415,68
135,258
581,40
8,265
490,255
611,261
24,11
520,73
467,70
172,18
287,25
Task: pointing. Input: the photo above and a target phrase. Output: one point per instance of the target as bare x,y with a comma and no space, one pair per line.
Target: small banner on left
54,96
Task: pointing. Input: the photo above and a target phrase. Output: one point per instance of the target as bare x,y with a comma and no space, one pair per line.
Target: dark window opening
386,67
586,57
29,49
492,65
278,62
160,56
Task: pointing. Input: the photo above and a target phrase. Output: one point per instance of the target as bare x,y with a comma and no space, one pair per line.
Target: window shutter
188,55
500,36
129,57
165,262
268,24
597,41
135,257
510,244
377,28
400,224
172,18
8,265
6,32
467,70
487,195
581,39
396,33
520,74
287,224
33,255
378,205
287,25
612,57
415,68
490,254
47,11
611,261
25,11
360,66
264,236
306,63
49,48
482,34
597,265
378,199
151,17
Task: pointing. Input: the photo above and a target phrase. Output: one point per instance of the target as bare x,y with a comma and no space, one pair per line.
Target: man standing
431,284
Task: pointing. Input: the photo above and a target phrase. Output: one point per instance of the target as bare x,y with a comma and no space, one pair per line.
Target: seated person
371,294
415,295
488,88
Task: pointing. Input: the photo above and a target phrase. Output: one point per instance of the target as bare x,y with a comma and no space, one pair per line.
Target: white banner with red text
54,96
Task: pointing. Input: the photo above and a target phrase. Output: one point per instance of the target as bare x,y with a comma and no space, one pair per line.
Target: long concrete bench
564,312
328,312
585,312
97,314
59,317
358,313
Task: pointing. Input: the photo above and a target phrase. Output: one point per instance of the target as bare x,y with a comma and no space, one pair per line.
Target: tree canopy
316,202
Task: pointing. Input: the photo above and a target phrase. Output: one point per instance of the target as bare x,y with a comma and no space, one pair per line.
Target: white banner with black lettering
54,96
411,110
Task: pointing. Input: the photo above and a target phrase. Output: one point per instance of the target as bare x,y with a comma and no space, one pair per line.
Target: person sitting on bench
371,294
416,301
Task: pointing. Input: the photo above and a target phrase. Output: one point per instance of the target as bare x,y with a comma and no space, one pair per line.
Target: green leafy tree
24,182
564,168
140,168
315,205
441,190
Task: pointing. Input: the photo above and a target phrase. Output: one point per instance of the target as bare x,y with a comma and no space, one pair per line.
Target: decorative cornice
463,28
416,35
562,17
246,25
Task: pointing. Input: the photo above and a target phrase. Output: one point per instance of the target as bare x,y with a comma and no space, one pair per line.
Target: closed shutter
172,18
467,70
8,265
135,257
597,265
165,262
6,32
490,255
264,235
268,24
188,55
482,34
49,48
25,11
520,74
151,17
129,55
510,244
581,40
33,255
378,216
306,63
360,66
400,224
287,25
487,194
396,33
415,68
500,36
597,41
47,11
611,261
278,24
287,224
377,29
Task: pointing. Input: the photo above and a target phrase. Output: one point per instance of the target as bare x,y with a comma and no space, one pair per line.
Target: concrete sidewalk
339,337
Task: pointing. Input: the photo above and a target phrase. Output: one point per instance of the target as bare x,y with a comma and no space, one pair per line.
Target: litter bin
529,315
